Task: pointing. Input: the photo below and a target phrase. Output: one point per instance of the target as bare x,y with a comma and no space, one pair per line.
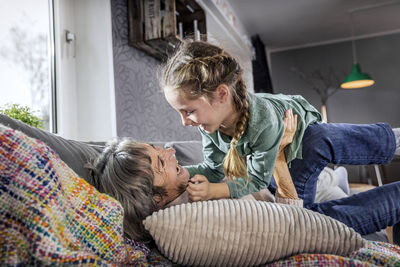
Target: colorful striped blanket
50,216
375,254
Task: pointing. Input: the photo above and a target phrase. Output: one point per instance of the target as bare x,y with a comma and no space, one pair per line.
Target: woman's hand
290,122
200,189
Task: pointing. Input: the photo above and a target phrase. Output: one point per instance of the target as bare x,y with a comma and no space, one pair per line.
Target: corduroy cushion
244,233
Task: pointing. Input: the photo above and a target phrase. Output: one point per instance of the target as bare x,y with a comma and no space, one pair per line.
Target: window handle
70,38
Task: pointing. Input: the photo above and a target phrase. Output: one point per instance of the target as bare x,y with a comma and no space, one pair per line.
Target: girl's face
208,115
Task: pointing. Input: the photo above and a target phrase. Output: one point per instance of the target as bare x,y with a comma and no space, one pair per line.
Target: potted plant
22,113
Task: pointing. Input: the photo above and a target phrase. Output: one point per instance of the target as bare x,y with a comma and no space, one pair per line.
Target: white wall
85,77
84,68
221,32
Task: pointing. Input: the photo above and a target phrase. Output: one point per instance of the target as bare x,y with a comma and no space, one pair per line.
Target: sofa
87,227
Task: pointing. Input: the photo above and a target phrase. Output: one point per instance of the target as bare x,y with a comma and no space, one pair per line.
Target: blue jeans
350,144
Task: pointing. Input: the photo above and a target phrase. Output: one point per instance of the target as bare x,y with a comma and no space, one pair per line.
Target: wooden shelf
157,26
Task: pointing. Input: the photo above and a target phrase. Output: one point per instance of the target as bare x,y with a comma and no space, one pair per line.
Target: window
27,57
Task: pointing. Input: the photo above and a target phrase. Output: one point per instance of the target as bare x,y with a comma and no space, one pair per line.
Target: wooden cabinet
157,26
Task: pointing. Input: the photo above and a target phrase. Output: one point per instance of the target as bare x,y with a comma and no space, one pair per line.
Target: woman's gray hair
124,171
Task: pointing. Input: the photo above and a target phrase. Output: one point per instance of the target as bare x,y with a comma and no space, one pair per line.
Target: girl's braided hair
196,69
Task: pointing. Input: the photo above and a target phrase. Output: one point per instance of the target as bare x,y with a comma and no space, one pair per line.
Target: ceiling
285,24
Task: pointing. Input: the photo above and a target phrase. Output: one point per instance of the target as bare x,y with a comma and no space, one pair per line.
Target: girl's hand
198,188
290,122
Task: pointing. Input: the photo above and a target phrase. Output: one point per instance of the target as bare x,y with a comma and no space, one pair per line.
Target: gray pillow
232,232
187,152
74,153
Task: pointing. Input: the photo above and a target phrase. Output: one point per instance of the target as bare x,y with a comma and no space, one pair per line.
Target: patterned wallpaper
141,110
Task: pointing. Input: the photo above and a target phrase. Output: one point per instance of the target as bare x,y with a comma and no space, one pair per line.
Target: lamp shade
357,79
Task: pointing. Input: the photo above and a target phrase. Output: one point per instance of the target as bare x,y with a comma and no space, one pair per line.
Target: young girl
241,132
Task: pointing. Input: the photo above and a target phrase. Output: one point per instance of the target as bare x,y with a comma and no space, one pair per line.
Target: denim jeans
350,144
396,234
367,212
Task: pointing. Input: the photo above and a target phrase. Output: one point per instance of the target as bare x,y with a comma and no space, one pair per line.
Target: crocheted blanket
375,254
50,216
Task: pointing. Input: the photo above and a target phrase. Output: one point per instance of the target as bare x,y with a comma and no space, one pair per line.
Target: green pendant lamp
356,79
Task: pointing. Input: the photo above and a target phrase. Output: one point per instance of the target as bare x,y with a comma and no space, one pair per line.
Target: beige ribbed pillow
245,233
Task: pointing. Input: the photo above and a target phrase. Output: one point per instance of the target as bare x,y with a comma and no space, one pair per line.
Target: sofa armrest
74,153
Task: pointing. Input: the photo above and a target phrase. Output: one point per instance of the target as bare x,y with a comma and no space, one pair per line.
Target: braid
234,164
240,100
218,58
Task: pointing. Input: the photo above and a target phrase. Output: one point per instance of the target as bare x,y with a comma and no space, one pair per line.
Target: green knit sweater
259,144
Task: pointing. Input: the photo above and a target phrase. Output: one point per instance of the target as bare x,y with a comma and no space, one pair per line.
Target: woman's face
199,112
167,172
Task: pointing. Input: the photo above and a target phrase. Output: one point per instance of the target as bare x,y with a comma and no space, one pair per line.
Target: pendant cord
353,42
